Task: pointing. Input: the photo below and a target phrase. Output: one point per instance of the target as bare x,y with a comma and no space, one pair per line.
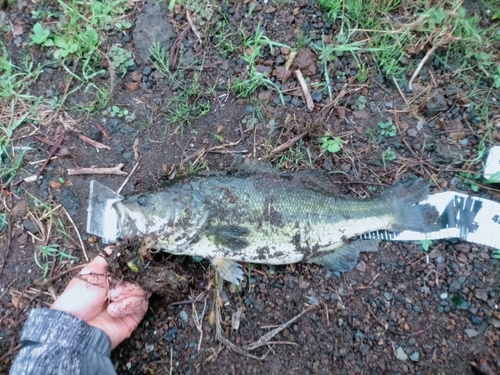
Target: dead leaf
236,318
18,30
132,86
136,76
55,185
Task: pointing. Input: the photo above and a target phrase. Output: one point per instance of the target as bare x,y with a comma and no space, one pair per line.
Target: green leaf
40,34
333,148
115,109
60,42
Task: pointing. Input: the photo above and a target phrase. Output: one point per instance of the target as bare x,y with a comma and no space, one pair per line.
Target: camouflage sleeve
55,342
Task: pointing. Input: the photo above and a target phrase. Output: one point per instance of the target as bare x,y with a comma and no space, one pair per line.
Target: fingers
85,295
128,299
131,306
125,289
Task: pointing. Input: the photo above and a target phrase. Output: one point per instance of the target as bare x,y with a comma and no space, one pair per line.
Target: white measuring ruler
461,216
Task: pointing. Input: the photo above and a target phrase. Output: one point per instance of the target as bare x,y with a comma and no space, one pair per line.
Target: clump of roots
132,260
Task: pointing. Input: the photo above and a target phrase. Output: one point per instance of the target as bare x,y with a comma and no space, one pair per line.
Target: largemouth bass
272,218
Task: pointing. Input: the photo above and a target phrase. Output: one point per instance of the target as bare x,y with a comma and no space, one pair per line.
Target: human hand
116,311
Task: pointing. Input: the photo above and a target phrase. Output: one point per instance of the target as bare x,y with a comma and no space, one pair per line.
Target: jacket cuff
49,326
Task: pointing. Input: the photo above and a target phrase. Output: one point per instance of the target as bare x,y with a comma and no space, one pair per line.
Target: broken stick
112,170
305,90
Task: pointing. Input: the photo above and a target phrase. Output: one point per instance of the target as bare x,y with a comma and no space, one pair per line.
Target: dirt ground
400,311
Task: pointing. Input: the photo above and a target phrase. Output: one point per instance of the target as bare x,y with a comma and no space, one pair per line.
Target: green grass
44,255
192,97
401,29
251,80
75,42
17,107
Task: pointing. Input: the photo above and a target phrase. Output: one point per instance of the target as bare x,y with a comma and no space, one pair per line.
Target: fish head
145,214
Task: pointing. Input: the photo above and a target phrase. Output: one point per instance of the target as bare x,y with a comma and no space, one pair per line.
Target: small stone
462,258
265,96
387,296
435,105
303,283
482,295
400,354
282,74
412,132
471,332
316,96
495,323
150,347
296,102
443,295
361,267
184,316
415,356
484,256
454,286
363,115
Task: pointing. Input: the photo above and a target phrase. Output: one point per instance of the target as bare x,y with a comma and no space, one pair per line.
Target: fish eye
142,200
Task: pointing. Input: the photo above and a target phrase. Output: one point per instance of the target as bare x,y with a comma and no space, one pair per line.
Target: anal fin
345,258
228,269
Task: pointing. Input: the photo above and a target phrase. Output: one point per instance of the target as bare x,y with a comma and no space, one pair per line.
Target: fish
269,217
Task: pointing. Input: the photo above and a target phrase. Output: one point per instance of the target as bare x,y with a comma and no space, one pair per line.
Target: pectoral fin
345,258
230,236
228,269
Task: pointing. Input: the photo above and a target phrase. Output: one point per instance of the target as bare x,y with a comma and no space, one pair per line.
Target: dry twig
111,170
305,90
288,143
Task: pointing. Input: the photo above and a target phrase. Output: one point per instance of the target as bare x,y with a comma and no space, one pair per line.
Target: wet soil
400,311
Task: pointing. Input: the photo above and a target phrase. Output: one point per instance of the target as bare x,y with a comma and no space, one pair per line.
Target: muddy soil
400,311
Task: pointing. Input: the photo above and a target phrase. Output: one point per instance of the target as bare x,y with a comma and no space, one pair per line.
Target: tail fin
404,197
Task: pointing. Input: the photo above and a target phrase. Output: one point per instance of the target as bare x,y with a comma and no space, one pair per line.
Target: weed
363,73
121,58
471,179
41,36
295,156
253,79
329,144
3,222
190,101
496,77
303,40
388,155
361,102
387,128
225,40
332,8
116,111
495,254
457,300
426,244
45,254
